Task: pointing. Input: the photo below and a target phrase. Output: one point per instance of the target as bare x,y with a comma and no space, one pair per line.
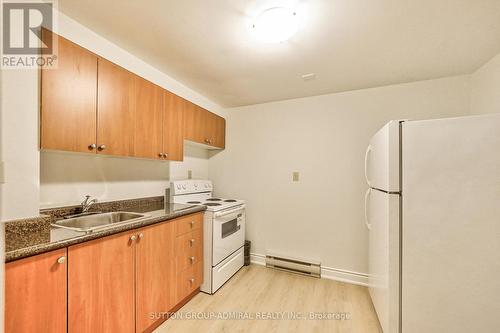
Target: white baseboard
329,273
258,259
342,275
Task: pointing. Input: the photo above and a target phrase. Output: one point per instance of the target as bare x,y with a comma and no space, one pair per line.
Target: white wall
65,178
485,88
19,144
21,194
324,138
195,159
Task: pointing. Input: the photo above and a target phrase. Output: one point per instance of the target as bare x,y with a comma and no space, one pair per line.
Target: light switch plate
190,174
295,176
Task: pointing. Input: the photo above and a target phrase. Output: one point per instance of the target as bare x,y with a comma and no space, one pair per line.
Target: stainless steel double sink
94,222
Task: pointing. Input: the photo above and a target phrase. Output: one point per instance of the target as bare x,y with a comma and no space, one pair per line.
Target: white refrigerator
433,215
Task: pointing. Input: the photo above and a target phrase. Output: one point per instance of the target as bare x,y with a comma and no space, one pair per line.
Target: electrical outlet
190,174
295,176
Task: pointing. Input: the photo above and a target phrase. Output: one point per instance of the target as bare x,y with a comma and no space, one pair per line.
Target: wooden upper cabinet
220,132
116,110
89,104
101,288
68,99
203,126
148,132
173,126
155,274
193,123
35,293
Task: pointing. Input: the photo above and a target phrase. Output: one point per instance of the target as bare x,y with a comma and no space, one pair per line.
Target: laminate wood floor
266,300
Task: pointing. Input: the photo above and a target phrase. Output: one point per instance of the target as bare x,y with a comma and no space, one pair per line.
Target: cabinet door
35,294
101,285
68,99
209,127
115,110
220,132
194,128
148,119
173,126
155,274
215,129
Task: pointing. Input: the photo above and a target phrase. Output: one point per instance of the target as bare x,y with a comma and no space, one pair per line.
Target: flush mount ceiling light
276,25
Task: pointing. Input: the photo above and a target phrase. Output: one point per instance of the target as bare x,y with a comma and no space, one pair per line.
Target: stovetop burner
211,204
230,200
194,202
214,199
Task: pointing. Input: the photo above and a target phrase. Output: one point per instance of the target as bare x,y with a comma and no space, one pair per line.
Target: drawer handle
192,224
61,260
191,280
191,241
192,259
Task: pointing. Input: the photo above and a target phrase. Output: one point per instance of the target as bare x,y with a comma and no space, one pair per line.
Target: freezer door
451,225
382,221
382,159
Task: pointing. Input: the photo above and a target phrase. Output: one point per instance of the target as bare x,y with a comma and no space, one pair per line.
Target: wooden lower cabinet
126,282
155,274
189,255
101,282
35,293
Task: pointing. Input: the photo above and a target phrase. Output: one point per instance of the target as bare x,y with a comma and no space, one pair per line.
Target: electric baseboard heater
294,265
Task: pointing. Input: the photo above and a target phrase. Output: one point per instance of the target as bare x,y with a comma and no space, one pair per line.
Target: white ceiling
348,44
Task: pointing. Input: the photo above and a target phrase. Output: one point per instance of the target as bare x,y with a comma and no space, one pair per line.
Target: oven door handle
227,212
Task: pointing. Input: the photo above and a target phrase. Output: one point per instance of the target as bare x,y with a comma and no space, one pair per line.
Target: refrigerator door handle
367,155
367,220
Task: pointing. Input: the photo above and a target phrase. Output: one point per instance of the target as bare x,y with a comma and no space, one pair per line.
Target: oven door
229,233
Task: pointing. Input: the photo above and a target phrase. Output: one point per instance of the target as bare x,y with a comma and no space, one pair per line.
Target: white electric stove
223,230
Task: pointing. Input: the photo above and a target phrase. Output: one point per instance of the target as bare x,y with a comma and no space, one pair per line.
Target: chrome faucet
86,204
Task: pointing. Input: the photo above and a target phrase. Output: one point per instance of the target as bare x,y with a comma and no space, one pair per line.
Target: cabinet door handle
141,235
160,155
165,155
133,238
192,224
101,147
191,241
92,146
61,260
191,280
192,260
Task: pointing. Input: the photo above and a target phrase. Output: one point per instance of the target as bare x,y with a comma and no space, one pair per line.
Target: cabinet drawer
189,249
189,280
189,223
189,242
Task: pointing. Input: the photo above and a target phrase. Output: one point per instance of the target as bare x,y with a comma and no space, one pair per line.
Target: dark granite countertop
31,241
